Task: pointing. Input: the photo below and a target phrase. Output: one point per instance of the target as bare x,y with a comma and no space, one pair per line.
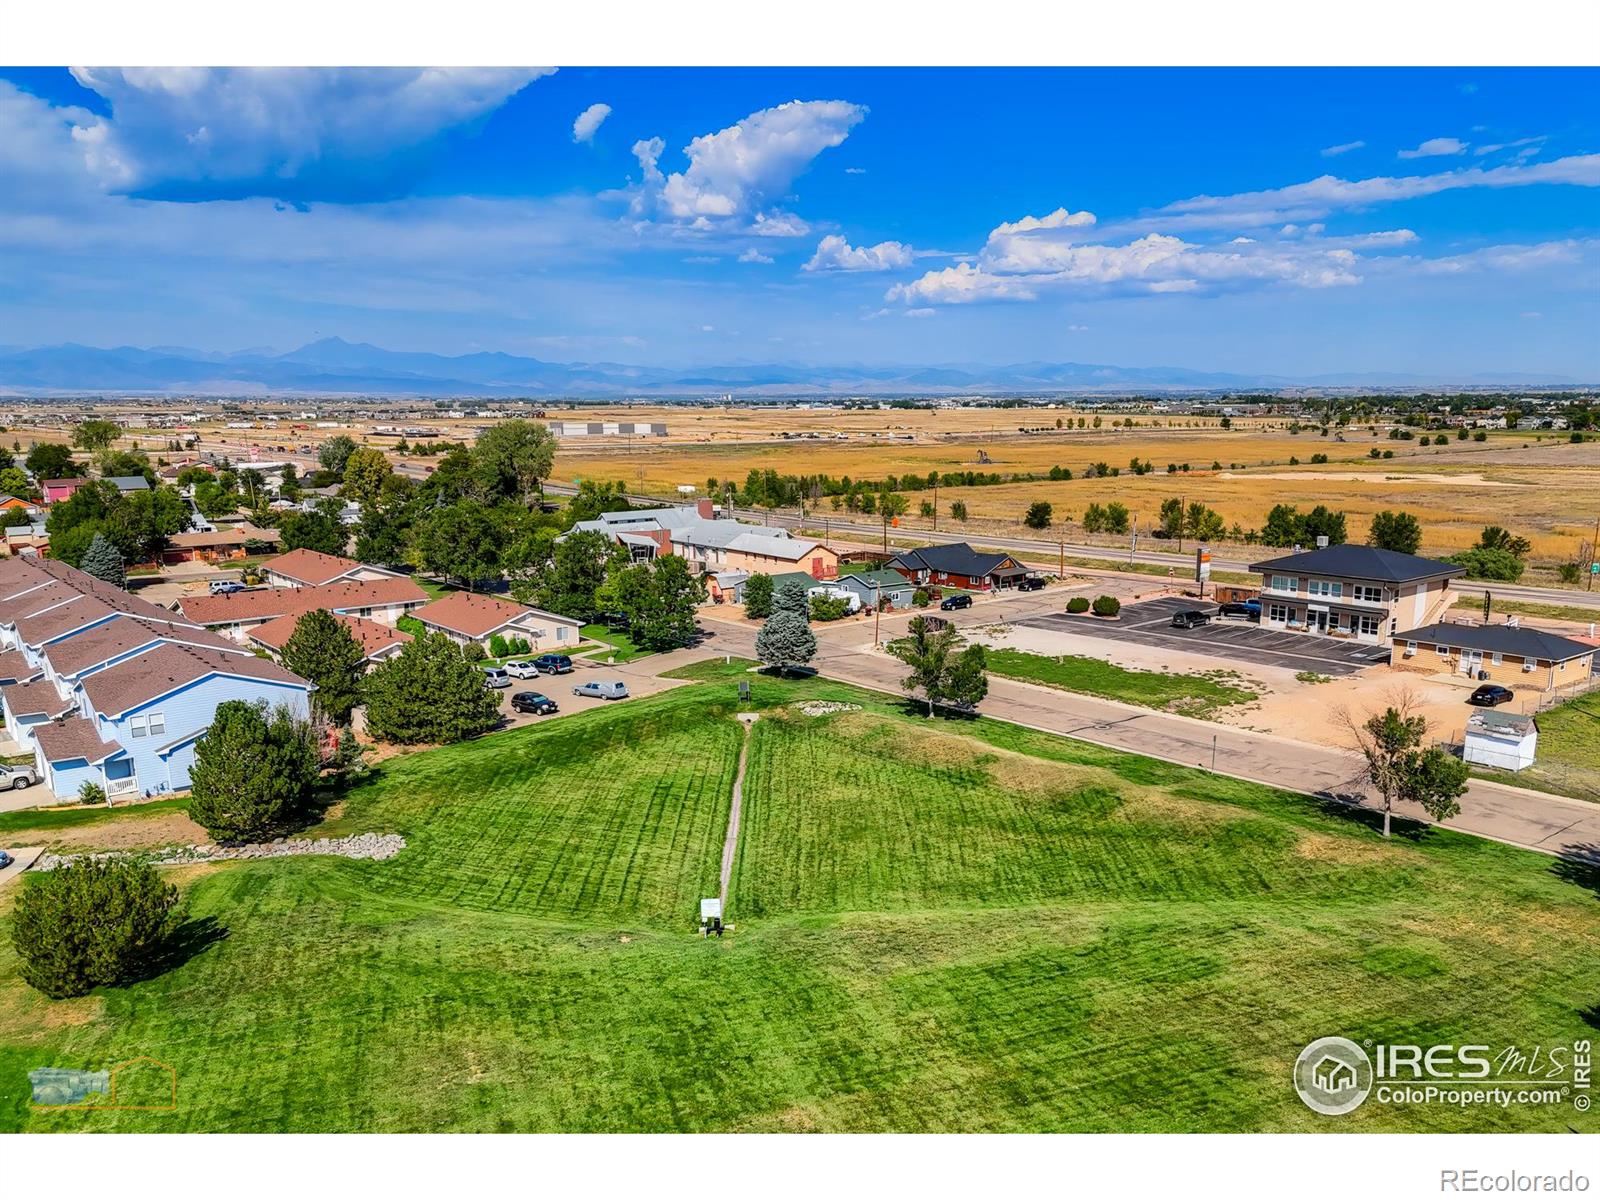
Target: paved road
1534,820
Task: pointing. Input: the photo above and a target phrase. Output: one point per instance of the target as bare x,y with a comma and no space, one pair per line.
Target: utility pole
1061,559
936,506
1594,554
877,612
1133,539
1181,511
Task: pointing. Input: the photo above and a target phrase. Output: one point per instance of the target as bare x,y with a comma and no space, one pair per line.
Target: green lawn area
621,644
941,925
1197,695
1568,758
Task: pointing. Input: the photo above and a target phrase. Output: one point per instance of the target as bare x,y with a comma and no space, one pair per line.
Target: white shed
1496,739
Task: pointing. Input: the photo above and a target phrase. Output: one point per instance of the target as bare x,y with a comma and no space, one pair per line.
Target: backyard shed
1504,740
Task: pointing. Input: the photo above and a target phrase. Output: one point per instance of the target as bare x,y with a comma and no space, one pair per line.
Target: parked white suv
522,670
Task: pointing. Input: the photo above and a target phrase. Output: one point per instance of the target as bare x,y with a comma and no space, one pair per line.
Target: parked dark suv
534,702
1250,610
1490,695
1031,584
959,600
553,664
1190,619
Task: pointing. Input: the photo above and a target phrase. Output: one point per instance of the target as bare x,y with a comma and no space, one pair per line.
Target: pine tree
253,771
323,650
429,693
786,639
104,562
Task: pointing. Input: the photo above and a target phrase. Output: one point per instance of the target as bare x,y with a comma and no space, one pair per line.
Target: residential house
8,503
472,617
128,484
311,568
236,614
378,642
1513,655
1353,591
958,565
57,490
217,545
711,544
27,540
884,588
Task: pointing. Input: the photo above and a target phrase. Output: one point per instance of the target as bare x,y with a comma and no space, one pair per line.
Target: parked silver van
496,677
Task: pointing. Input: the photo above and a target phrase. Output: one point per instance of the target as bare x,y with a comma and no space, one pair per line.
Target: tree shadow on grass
1347,810
191,938
1580,865
912,707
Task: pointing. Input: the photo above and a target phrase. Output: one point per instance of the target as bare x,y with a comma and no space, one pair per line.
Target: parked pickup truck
15,777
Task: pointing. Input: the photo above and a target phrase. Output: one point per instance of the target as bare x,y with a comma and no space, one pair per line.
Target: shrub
429,692
829,608
1078,604
1500,565
1569,572
758,597
94,923
921,598
91,793
1106,606
473,652
409,624
498,646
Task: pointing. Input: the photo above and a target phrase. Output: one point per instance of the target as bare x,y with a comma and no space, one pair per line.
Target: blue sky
1287,221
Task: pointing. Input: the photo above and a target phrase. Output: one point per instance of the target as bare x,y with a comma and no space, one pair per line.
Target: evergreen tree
104,562
323,650
93,923
253,771
786,639
429,693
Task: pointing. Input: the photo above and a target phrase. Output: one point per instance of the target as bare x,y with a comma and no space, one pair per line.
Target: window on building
1285,583
1411,648
158,723
1444,651
136,727
1277,612
1495,659
1372,595
1324,587
1367,623
561,633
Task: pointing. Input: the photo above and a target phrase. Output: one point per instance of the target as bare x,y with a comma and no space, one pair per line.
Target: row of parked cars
548,664
1193,618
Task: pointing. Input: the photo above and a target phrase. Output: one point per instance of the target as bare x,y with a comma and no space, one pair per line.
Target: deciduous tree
1397,531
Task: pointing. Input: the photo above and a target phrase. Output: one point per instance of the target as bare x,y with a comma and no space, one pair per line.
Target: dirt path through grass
731,842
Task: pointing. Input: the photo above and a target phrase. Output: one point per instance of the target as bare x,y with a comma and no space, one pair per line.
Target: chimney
705,508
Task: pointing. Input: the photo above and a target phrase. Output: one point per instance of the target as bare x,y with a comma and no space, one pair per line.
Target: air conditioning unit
1527,668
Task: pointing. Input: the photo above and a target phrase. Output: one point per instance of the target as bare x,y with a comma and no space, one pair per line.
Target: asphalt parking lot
1150,623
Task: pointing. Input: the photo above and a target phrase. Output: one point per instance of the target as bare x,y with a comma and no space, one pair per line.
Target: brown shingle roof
470,613
36,599
263,604
14,668
223,537
372,636
158,671
75,737
36,698
312,567
98,645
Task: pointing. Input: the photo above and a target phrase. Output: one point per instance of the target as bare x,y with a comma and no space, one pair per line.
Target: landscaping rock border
376,846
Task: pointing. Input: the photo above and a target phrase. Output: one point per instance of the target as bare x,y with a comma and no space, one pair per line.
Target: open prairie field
1547,490
939,926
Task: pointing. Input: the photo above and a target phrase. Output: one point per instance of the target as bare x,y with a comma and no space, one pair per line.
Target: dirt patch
129,833
1329,848
27,1014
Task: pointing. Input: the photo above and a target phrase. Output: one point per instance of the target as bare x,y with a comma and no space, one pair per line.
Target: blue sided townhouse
102,687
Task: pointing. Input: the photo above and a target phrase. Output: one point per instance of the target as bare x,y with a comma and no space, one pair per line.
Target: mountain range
334,366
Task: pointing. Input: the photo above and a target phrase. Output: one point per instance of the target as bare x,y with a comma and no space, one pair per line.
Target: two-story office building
1360,592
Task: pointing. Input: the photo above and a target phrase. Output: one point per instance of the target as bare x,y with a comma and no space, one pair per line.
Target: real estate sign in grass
939,925
1192,695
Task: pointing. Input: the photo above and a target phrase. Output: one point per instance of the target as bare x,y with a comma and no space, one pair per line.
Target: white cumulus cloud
755,256
589,122
1436,147
276,130
836,254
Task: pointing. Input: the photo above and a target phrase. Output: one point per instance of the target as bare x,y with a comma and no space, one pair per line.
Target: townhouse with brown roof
470,617
311,568
378,642
238,614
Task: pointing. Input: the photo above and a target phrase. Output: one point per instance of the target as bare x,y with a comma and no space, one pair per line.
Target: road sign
1202,564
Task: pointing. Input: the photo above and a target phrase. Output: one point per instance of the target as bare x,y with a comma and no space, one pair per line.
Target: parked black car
1031,584
553,664
1250,610
959,600
534,702
1190,619
1490,695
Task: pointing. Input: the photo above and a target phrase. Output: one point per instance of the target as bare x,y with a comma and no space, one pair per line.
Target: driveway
23,857
1149,623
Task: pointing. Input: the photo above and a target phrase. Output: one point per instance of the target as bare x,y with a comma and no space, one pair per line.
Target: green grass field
622,646
1192,695
940,926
